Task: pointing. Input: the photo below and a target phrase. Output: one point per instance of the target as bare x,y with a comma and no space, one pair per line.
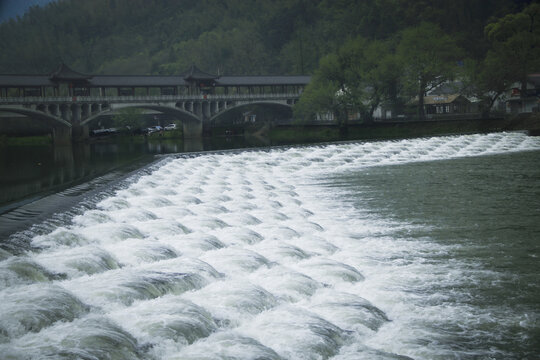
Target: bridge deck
144,98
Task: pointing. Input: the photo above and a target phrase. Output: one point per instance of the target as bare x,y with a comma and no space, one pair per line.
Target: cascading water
250,255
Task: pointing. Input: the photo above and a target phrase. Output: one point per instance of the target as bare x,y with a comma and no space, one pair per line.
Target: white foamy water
236,256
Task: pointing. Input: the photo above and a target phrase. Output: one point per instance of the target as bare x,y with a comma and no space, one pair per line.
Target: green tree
128,119
486,80
515,45
326,93
357,78
429,58
237,36
380,76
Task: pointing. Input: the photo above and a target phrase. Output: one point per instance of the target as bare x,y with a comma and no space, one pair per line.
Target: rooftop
65,74
442,99
194,73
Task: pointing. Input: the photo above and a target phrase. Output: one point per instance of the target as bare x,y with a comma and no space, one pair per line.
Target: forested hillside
226,36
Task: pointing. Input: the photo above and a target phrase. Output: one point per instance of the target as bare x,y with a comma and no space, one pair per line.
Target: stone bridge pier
62,135
72,115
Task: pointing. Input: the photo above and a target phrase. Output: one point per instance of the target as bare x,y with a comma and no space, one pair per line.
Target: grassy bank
25,140
397,130
140,138
37,140
295,134
301,134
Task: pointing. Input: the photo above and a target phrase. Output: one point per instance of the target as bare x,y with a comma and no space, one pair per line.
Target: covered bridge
67,82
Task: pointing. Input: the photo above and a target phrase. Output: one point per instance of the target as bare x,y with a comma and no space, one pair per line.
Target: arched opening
35,116
152,115
27,122
178,113
53,109
253,113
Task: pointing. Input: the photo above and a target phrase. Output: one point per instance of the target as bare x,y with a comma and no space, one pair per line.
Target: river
419,248
30,172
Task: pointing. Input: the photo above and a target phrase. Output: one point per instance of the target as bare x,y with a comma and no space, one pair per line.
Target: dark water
30,172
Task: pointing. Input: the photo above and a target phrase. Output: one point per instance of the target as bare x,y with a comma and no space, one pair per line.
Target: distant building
447,104
249,117
448,88
324,117
382,113
516,103
352,116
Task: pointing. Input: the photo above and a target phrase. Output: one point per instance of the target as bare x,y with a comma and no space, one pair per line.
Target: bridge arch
279,103
36,114
173,111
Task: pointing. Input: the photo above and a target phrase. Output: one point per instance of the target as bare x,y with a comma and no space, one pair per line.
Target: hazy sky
12,8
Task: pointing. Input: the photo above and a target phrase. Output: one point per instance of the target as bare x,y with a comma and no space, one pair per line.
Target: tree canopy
129,119
364,73
515,41
428,57
361,53
232,36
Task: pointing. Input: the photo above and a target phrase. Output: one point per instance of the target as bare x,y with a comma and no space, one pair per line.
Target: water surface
423,248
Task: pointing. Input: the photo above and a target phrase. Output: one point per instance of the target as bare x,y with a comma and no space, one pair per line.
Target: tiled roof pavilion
65,74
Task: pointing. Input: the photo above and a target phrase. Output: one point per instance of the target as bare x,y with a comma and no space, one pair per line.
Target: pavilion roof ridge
195,73
266,75
137,75
64,72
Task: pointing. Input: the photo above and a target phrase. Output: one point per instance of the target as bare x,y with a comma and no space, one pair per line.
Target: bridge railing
158,98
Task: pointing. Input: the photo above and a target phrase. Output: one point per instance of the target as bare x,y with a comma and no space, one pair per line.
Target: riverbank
46,139
401,129
34,140
293,134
